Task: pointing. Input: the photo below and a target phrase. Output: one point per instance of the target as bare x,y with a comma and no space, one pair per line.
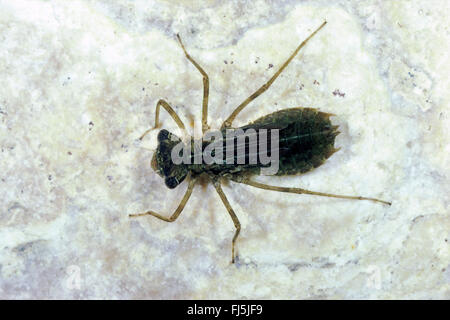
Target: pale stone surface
79,83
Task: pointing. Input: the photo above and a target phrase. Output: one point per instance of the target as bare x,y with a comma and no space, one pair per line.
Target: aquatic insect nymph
305,140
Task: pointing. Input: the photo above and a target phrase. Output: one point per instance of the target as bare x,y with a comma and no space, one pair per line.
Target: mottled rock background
79,81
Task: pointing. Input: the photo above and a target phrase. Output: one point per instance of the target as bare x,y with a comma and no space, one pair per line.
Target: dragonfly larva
305,139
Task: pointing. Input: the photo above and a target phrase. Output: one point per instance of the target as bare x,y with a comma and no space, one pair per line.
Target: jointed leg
227,123
177,212
172,113
304,191
235,219
205,126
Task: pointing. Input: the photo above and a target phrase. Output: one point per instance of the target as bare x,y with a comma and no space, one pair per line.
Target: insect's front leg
235,219
205,126
171,112
178,210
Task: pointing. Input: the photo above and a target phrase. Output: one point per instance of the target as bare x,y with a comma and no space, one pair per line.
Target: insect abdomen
306,138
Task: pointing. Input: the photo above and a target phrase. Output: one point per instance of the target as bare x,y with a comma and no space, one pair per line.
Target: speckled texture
79,83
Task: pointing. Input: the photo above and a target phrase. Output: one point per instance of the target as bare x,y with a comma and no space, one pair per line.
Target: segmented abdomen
306,138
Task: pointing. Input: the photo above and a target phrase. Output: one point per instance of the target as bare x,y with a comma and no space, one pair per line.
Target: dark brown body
306,140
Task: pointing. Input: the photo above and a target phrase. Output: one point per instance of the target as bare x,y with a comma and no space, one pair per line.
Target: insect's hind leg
205,126
304,191
235,219
227,123
178,210
171,112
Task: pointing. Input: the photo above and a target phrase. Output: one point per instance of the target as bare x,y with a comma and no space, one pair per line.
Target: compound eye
171,182
163,135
